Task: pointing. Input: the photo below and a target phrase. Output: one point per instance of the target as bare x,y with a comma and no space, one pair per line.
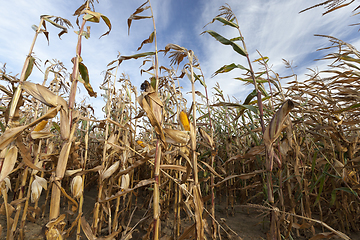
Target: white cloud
274,28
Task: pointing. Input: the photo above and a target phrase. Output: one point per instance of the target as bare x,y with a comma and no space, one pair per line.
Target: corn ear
177,135
36,187
141,143
125,181
108,172
77,186
184,120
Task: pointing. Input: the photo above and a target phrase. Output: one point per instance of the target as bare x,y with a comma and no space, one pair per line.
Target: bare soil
240,223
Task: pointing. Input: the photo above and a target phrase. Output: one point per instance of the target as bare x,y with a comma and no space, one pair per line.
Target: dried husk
36,188
178,136
41,135
9,162
125,181
110,171
77,186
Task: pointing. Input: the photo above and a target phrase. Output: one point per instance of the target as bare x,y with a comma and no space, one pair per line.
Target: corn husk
108,172
125,181
7,184
77,186
41,134
178,136
72,172
36,187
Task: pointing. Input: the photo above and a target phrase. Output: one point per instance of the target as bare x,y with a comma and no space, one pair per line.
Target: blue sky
275,28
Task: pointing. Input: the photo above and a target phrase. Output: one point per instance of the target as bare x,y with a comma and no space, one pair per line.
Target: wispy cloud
275,28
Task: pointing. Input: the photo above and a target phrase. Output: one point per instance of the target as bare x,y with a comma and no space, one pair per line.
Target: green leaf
356,105
250,97
92,16
236,39
321,187
251,81
135,56
201,81
237,105
226,41
2,127
95,17
56,126
226,22
228,68
30,60
84,73
345,189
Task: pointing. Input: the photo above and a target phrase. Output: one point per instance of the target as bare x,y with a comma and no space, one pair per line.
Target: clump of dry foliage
291,152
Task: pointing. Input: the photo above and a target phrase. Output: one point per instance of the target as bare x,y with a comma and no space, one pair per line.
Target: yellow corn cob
184,121
141,143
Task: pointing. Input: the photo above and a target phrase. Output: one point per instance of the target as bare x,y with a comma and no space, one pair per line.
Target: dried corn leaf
173,167
63,158
273,130
9,207
44,95
212,169
87,229
9,135
40,126
326,235
241,176
206,136
9,162
123,192
26,156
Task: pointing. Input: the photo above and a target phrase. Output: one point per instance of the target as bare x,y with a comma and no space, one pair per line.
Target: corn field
160,166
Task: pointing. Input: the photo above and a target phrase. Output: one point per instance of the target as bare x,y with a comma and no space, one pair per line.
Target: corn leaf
84,73
226,41
226,22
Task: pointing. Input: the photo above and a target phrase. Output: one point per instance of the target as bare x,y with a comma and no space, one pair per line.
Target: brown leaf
241,176
174,167
87,229
326,235
9,162
122,193
212,169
